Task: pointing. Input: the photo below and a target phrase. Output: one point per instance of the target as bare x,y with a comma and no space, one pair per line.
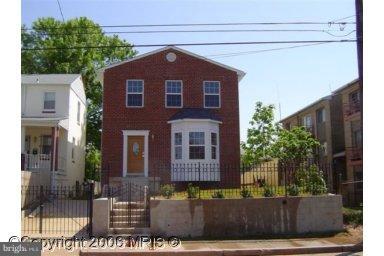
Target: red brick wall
154,70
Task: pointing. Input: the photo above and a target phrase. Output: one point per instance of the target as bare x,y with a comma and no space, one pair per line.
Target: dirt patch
352,235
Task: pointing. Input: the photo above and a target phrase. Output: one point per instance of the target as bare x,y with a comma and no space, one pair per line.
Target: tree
48,32
92,163
267,139
294,145
261,135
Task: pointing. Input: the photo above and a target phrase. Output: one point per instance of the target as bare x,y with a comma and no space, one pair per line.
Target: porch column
22,139
53,154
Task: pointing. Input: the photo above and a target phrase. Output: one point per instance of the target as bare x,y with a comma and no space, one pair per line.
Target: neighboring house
170,107
53,123
335,121
351,101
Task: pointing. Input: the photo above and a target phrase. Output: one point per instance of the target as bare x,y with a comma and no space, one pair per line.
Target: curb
233,252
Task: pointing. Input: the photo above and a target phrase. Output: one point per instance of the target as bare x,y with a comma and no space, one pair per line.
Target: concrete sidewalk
302,246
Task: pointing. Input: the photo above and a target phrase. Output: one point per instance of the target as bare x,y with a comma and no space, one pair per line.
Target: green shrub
167,190
293,190
218,194
315,183
192,191
246,193
268,191
353,216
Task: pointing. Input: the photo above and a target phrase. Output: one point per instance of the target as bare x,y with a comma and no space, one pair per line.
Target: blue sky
293,77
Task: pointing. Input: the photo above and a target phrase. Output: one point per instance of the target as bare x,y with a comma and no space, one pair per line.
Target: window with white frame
135,93
173,94
213,145
49,101
211,94
178,145
78,112
196,145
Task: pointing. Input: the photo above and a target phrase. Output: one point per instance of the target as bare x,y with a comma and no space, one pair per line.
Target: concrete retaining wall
246,217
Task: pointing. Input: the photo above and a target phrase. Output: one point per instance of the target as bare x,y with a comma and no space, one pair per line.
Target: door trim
127,133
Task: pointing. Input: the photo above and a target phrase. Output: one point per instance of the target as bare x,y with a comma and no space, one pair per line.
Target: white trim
240,74
127,133
126,94
212,93
165,90
193,120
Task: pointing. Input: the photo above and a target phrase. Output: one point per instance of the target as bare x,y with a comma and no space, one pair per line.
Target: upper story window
354,97
211,94
307,121
320,116
196,145
49,101
135,93
173,94
78,112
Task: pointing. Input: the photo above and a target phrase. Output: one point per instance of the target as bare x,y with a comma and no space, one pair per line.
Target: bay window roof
195,113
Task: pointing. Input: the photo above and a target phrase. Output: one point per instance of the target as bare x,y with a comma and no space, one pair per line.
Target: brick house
353,137
170,107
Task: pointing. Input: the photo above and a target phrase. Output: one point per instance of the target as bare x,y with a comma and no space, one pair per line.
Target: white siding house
53,124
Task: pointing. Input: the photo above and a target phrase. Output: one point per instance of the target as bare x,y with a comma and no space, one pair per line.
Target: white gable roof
49,78
240,73
74,81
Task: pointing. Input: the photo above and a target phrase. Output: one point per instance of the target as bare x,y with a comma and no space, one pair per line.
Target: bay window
213,145
178,146
196,145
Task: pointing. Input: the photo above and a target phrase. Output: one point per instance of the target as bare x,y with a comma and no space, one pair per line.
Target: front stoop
129,218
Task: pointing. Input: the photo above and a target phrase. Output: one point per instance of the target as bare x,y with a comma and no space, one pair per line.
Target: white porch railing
42,162
37,162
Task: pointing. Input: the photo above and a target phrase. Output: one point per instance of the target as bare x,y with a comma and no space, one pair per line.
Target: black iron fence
352,193
205,180
57,211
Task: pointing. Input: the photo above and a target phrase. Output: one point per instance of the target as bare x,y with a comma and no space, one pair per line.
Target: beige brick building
351,102
335,120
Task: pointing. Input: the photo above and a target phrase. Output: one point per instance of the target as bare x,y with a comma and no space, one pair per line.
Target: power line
198,31
184,44
344,18
199,24
61,11
233,54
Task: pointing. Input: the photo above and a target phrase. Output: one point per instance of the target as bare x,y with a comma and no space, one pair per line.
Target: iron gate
129,207
57,211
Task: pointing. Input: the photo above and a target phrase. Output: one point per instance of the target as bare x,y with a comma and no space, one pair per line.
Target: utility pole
359,36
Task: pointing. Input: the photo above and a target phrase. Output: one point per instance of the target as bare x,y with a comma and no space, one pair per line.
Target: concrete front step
126,218
128,205
128,231
128,211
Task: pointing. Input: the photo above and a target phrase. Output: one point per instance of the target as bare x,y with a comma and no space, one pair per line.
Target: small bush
353,216
167,190
192,191
293,190
316,184
218,194
246,193
268,191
